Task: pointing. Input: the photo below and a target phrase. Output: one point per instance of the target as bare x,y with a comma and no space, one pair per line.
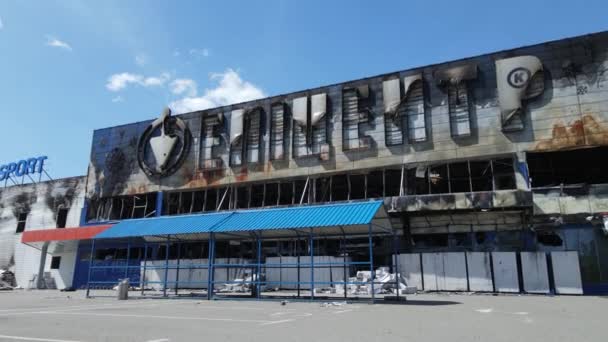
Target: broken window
211,199
455,81
257,195
322,189
198,201
339,188
355,113
357,188
311,126
55,262
582,166
271,194
242,197
459,177
375,184
211,130
122,207
404,115
62,217
420,181
504,175
285,193
439,180
224,196
279,132
301,190
481,175
21,221
549,238
393,180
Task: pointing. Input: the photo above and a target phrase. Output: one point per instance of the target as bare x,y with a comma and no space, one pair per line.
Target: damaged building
488,169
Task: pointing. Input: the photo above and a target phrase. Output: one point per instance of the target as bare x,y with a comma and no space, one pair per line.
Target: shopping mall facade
479,163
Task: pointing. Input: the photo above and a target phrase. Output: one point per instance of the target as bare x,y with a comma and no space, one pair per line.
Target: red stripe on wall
62,234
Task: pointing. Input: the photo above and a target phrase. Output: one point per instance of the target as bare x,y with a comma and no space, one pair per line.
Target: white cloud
176,53
230,89
54,42
200,52
1,24
183,86
141,59
120,81
118,99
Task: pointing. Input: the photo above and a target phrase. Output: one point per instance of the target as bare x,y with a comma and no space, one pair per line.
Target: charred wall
570,113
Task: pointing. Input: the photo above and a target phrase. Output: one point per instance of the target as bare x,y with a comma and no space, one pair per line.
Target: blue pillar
128,257
143,276
371,260
210,269
166,267
159,204
312,266
259,268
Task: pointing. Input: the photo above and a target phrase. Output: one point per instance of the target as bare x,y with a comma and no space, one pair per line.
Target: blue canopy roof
309,216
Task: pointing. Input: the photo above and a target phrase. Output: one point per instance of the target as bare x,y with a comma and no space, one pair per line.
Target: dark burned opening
568,167
257,195
322,187
271,196
339,188
62,217
286,196
21,221
549,238
357,186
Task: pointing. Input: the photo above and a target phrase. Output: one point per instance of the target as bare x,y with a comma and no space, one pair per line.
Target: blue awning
340,217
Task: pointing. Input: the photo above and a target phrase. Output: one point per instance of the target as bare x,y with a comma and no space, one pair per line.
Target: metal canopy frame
257,267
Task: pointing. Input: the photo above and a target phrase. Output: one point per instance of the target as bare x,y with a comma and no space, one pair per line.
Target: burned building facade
495,153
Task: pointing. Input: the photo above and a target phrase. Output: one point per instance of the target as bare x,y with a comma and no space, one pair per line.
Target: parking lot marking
156,316
278,322
341,312
24,338
160,340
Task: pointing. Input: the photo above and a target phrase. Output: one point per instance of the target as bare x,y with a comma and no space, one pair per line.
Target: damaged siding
461,122
41,201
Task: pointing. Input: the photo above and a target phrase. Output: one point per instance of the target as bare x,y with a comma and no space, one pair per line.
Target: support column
128,257
142,281
179,252
210,270
40,278
371,261
166,267
259,268
91,258
311,245
397,270
159,204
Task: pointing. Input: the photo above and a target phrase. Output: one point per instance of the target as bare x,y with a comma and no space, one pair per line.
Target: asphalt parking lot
54,316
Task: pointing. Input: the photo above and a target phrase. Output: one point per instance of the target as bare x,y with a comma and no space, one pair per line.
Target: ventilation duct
300,110
391,95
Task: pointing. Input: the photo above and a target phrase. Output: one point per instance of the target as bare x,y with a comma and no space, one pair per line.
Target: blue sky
69,67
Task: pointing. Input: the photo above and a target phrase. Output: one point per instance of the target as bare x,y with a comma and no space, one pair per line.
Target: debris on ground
7,280
328,304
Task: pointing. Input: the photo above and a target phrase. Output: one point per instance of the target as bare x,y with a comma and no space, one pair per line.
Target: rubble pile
7,280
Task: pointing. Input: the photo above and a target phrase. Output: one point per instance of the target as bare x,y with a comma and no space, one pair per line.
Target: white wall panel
534,272
506,278
480,271
566,272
